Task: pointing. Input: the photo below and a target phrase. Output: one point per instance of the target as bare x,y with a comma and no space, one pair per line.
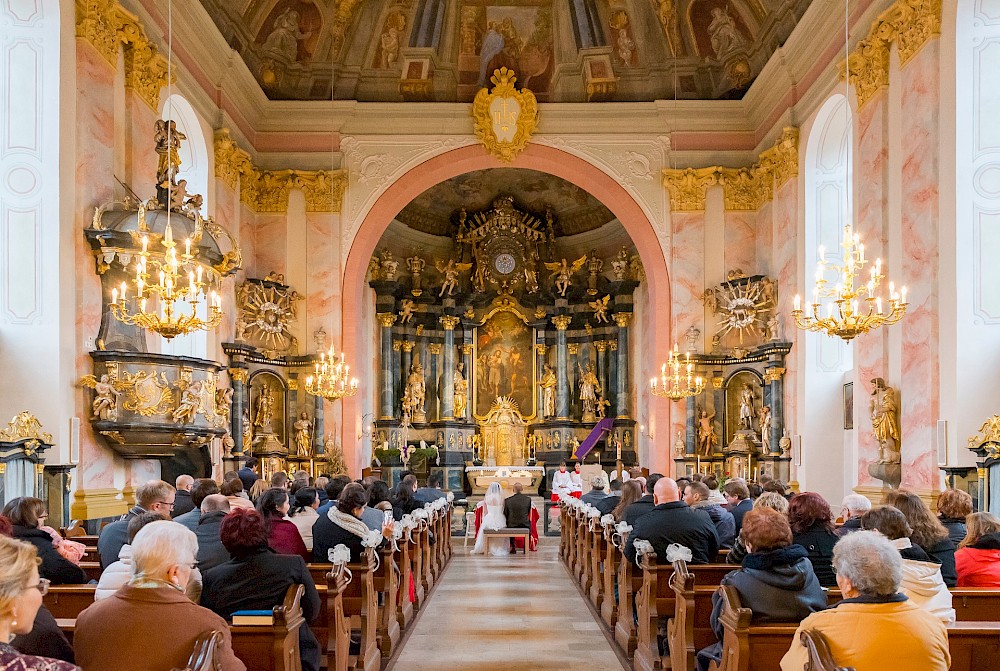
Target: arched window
194,170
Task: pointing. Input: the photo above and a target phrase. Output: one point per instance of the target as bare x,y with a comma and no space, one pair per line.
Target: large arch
536,157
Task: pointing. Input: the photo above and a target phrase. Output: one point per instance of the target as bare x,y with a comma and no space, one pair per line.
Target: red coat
285,539
978,567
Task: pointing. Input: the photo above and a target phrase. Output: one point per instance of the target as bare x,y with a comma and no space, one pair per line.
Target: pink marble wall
323,291
270,243
920,384
224,204
94,166
687,268
783,224
140,159
870,179
741,241
765,237
247,235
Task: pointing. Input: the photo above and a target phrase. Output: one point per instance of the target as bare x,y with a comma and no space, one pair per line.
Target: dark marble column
613,378
448,373
387,383
774,377
238,379
541,349
397,377
319,445
434,350
602,365
573,366
691,425
562,380
622,319
719,403
405,361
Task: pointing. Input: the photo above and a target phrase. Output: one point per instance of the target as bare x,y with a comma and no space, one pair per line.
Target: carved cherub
600,308
105,396
406,314
190,404
563,272
450,271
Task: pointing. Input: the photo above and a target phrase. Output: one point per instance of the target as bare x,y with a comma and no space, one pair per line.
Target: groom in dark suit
517,510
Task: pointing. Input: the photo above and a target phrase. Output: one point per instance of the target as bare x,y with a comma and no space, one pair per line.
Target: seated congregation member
120,572
921,582
247,474
45,639
928,532
156,496
874,627
255,492
182,497
778,487
303,514
233,491
977,559
631,492
333,490
768,500
282,535
696,495
776,581
26,515
201,488
953,507
644,504
21,592
432,491
320,487
812,528
614,497
279,480
342,525
149,624
738,501
714,494
403,502
596,493
851,509
256,578
211,551
379,501
672,521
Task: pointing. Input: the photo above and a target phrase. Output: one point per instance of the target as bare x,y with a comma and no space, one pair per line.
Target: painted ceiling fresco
563,50
574,210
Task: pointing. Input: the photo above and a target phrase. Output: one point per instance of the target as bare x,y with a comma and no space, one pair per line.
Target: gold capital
601,345
449,323
688,187
717,382
293,385
573,348
622,319
408,345
613,345
238,374
541,349
467,348
773,374
562,322
386,319
434,348
395,345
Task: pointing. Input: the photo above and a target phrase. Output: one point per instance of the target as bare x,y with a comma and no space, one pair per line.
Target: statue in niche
746,407
548,385
765,425
265,409
885,423
246,429
461,390
724,34
563,271
416,389
168,144
590,386
706,433
283,40
303,434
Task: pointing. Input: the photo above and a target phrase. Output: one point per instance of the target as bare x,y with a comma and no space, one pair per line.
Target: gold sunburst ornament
505,118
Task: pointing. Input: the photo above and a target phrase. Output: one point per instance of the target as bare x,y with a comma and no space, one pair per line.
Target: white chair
470,528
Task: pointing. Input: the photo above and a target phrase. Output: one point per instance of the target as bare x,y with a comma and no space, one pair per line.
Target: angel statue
450,271
563,272
105,397
406,314
190,404
600,308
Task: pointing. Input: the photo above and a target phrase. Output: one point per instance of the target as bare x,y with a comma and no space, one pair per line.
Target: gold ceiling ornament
504,118
783,158
851,310
746,189
677,380
331,378
230,161
24,426
267,311
988,435
688,187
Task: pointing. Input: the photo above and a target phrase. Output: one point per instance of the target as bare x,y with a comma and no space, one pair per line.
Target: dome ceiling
563,50
574,210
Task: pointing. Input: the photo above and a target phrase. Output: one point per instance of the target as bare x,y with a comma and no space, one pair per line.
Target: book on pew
253,617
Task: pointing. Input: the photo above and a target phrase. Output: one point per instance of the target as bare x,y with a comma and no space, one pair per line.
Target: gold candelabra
168,317
674,383
850,311
331,378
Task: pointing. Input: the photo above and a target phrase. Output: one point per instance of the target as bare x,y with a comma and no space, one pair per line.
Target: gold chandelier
168,317
675,384
331,378
850,311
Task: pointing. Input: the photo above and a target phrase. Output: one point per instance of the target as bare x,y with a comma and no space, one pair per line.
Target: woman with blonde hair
953,507
928,532
631,492
771,500
21,592
977,560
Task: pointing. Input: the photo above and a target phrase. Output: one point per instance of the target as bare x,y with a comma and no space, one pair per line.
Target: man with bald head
672,521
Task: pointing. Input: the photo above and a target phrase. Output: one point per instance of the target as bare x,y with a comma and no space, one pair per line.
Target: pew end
203,655
273,647
820,657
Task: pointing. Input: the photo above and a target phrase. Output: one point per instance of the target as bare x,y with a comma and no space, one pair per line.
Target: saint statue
104,399
415,390
246,429
168,144
706,433
765,426
224,402
746,407
723,32
265,408
885,423
303,434
590,386
461,390
548,385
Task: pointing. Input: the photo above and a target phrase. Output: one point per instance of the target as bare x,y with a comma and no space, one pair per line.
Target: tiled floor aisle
505,613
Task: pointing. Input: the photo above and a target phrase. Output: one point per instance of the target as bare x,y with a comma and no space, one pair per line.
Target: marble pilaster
448,373
622,319
541,349
238,380
387,381
468,360
435,381
562,380
776,387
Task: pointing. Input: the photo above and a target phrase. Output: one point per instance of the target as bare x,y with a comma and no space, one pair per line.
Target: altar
481,477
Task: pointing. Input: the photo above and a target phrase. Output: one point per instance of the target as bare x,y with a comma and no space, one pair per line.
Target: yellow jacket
876,637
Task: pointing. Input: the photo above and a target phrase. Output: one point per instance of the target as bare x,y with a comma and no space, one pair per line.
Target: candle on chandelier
797,303
168,234
878,304
145,243
902,295
114,295
124,290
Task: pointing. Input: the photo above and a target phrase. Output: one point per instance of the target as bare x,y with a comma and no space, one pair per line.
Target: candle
902,295
114,295
878,304
124,287
145,243
798,302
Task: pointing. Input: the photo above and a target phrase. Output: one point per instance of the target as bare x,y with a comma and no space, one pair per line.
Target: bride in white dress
492,519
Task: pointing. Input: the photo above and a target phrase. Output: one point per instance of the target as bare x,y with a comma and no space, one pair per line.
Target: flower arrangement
339,555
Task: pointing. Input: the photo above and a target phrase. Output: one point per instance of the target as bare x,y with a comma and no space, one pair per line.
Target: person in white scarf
342,525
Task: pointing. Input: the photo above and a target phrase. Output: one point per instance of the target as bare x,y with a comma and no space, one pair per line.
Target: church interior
468,241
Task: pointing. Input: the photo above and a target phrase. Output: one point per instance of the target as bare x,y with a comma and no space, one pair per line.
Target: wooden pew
92,569
427,563
273,647
612,558
598,559
820,658
338,640
386,583
360,602
203,656
66,601
629,582
404,607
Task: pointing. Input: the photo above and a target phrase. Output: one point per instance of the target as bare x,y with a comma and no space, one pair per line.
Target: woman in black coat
776,581
812,527
953,507
256,578
342,525
26,514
